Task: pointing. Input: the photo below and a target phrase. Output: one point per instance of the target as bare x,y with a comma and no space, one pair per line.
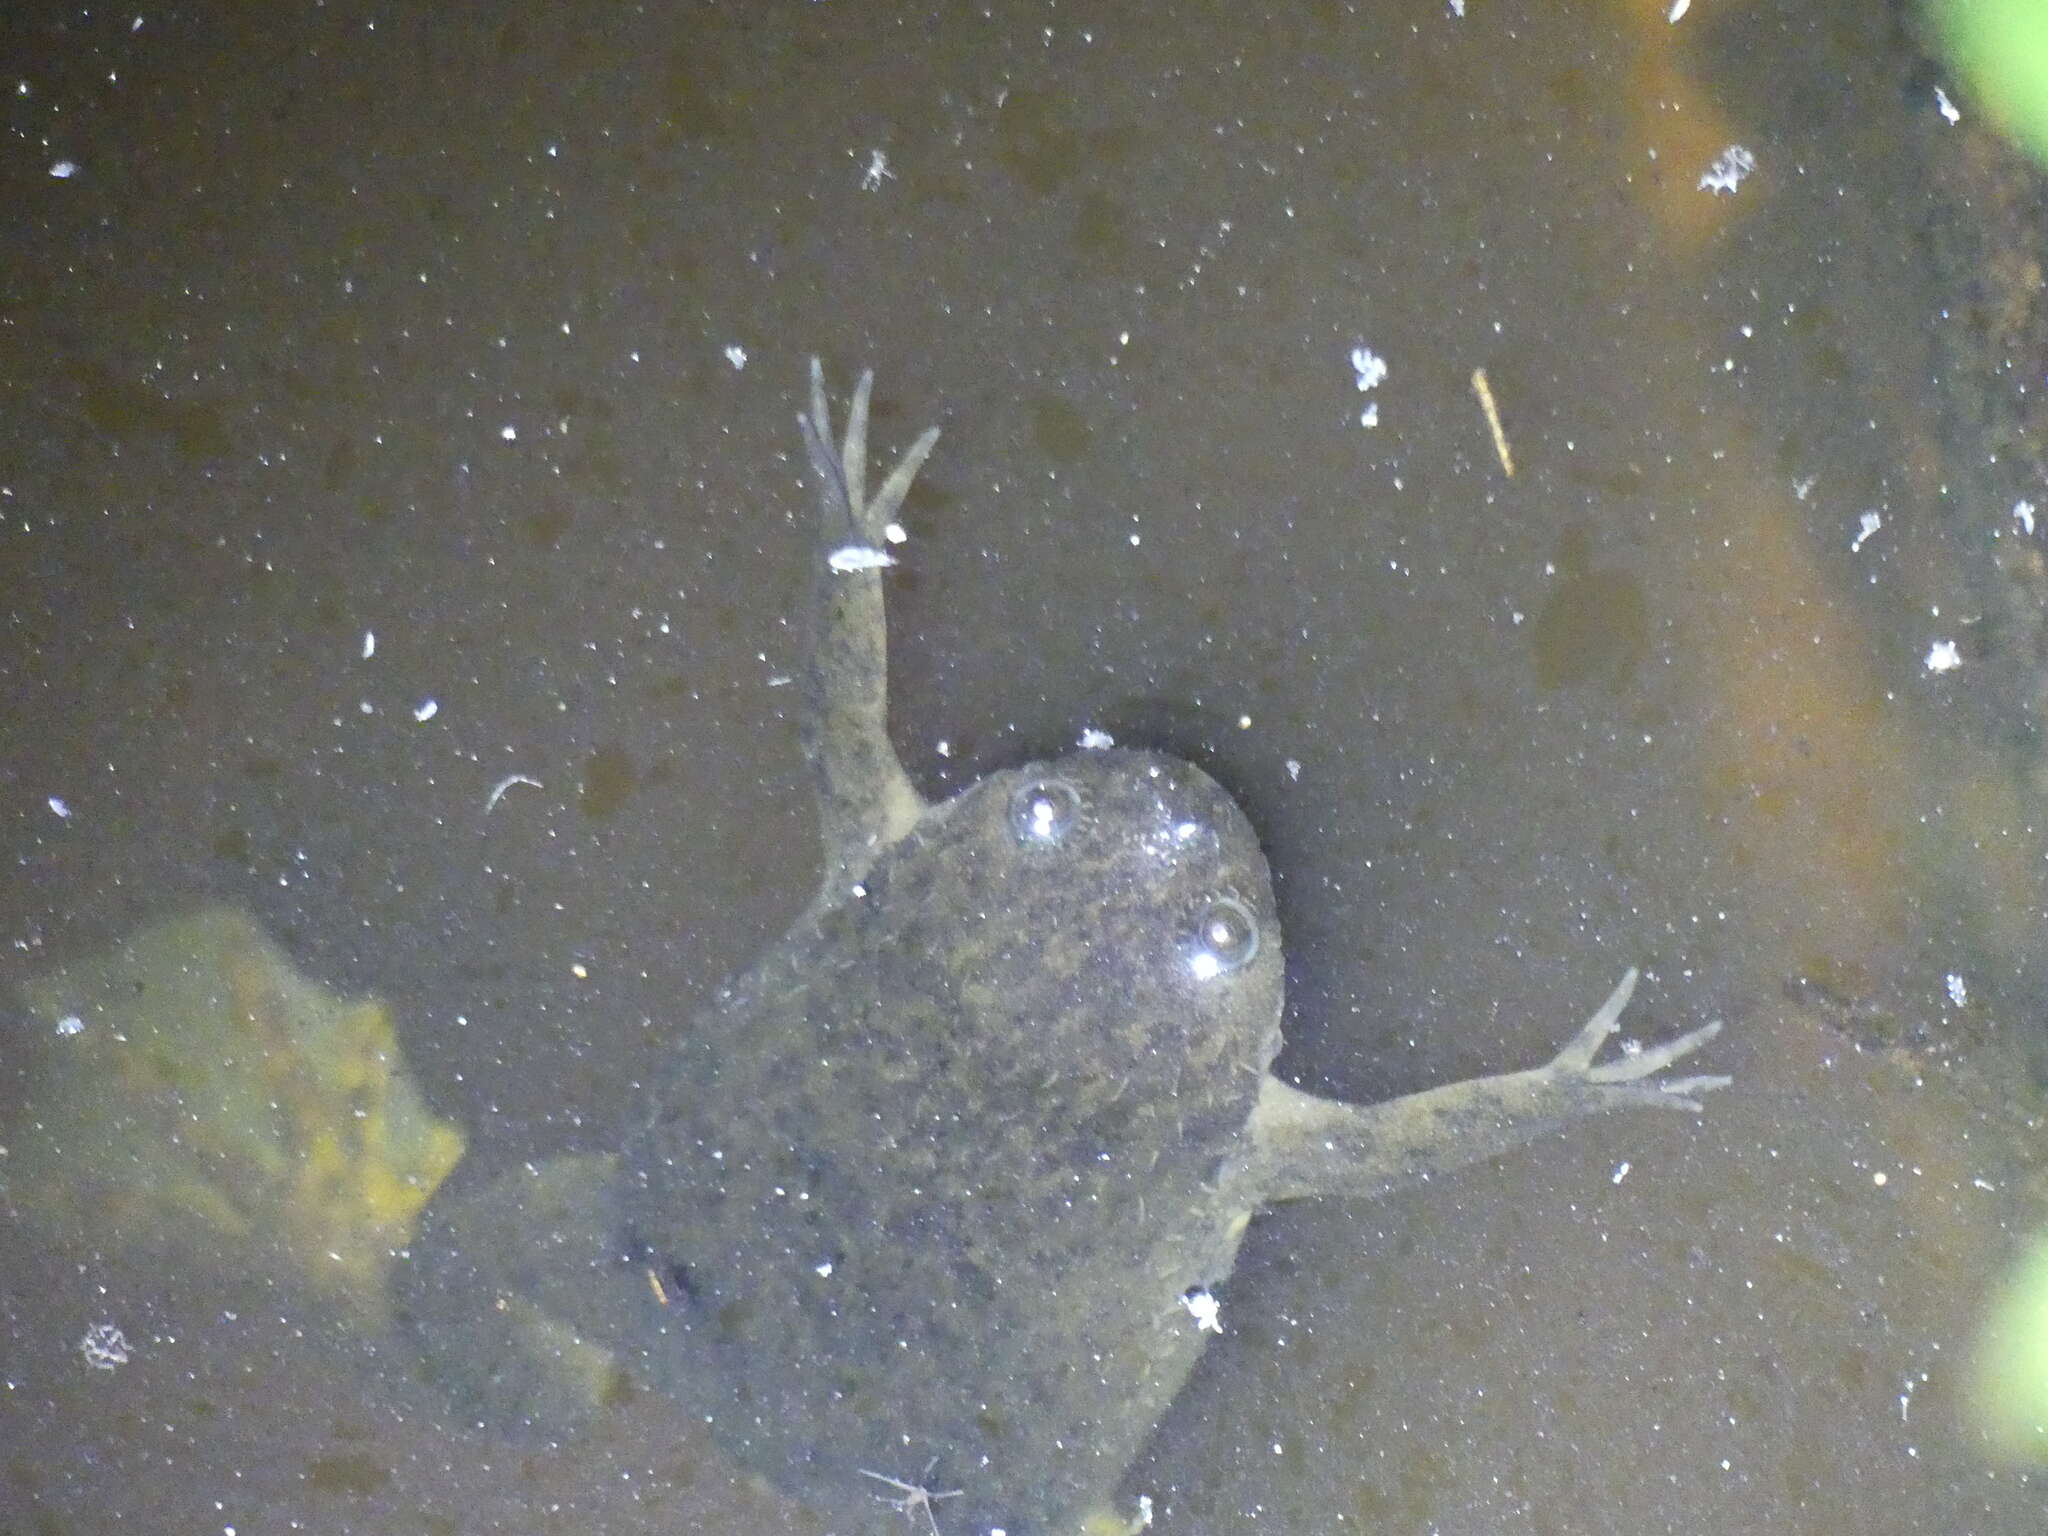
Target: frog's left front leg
1300,1145
865,799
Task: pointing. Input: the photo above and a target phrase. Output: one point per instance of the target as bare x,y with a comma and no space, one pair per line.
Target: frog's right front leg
1300,1146
865,799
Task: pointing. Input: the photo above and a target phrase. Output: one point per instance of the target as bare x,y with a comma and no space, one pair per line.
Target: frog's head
1115,910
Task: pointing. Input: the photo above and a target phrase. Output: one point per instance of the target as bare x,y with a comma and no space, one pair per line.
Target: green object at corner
1999,49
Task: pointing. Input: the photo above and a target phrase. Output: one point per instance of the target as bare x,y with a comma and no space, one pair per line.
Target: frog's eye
1044,811
1225,938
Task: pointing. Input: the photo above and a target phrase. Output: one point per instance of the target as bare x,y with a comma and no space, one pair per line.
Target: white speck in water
369,643
104,1347
425,710
1958,989
1204,1308
1093,740
59,809
736,355
1728,170
858,557
1866,525
1942,656
498,791
1370,367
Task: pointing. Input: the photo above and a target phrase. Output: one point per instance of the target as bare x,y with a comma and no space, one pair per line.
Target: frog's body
929,1188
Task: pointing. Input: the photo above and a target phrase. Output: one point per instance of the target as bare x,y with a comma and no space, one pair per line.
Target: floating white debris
1728,170
736,355
859,557
369,643
1677,12
59,809
425,710
64,170
1370,367
1942,656
104,1347
1204,1308
1866,525
1620,1171
1946,108
1371,370
71,1024
2023,514
1093,740
1958,989
498,791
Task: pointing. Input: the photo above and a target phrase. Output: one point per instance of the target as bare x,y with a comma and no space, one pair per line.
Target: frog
927,1215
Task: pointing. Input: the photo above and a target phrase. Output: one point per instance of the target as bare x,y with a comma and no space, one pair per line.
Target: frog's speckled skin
929,1182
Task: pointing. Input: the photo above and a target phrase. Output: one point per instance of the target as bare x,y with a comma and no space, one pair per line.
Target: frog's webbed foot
1626,1081
842,475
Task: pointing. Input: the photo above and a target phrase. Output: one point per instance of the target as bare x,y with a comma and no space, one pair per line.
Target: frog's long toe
1625,1079
845,472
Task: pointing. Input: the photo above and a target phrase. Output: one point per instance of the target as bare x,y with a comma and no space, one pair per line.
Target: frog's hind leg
865,799
515,1292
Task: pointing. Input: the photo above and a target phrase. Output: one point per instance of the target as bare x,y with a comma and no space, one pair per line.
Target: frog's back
931,1179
